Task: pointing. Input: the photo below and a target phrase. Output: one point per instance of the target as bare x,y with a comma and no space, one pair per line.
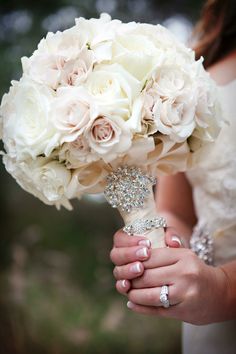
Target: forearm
174,202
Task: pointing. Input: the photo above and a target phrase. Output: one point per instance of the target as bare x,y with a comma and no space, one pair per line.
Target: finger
121,239
147,310
129,271
124,255
161,257
155,311
172,239
151,296
123,286
155,277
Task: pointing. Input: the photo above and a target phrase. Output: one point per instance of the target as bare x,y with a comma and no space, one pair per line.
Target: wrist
224,295
229,273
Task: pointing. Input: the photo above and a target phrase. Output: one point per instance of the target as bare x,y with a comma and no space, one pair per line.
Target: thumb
172,239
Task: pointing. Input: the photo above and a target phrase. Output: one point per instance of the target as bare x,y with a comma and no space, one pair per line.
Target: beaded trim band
141,226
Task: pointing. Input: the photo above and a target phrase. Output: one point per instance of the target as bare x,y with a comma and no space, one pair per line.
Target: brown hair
215,34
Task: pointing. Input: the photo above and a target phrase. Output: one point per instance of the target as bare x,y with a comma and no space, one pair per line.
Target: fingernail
145,243
176,239
136,268
130,305
142,252
124,284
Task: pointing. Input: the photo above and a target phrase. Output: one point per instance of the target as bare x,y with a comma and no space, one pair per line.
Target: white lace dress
214,191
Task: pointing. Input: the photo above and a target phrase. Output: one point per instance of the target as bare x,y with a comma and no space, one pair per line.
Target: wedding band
164,296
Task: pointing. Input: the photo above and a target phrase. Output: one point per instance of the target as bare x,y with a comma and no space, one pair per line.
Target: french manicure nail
136,268
176,239
145,243
142,252
124,283
130,305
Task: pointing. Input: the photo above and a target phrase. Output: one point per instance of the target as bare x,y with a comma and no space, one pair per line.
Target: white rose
66,44
171,81
71,112
137,54
52,180
100,34
170,103
209,116
141,48
59,52
27,127
113,89
44,69
77,153
76,71
150,112
164,40
108,137
45,179
177,118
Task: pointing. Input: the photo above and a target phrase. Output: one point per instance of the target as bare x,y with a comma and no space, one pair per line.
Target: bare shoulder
224,71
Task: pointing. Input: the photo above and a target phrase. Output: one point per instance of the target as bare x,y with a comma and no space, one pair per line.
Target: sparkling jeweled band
141,226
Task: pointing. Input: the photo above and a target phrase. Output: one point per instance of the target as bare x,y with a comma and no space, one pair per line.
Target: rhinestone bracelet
141,226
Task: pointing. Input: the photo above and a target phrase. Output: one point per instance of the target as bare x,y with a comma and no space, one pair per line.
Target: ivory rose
47,63
137,54
100,35
177,118
108,137
71,112
75,72
113,89
207,106
46,179
77,153
27,126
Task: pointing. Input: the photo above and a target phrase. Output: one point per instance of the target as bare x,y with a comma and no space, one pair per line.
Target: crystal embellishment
202,244
127,188
141,226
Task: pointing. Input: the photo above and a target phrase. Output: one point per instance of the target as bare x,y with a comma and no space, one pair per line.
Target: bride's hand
128,254
197,292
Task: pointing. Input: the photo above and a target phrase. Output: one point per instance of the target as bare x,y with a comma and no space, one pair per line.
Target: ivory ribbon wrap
148,211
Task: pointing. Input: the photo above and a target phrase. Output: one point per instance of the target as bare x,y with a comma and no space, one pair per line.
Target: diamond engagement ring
164,296
141,226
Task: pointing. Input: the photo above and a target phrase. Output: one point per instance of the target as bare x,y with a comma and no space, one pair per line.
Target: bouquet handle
131,191
146,222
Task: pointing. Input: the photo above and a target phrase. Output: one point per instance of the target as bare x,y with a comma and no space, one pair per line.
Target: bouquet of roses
107,106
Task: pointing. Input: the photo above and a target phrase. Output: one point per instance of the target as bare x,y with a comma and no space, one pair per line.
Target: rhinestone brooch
127,188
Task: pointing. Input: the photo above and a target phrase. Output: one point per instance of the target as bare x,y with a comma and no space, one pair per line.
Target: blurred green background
57,291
